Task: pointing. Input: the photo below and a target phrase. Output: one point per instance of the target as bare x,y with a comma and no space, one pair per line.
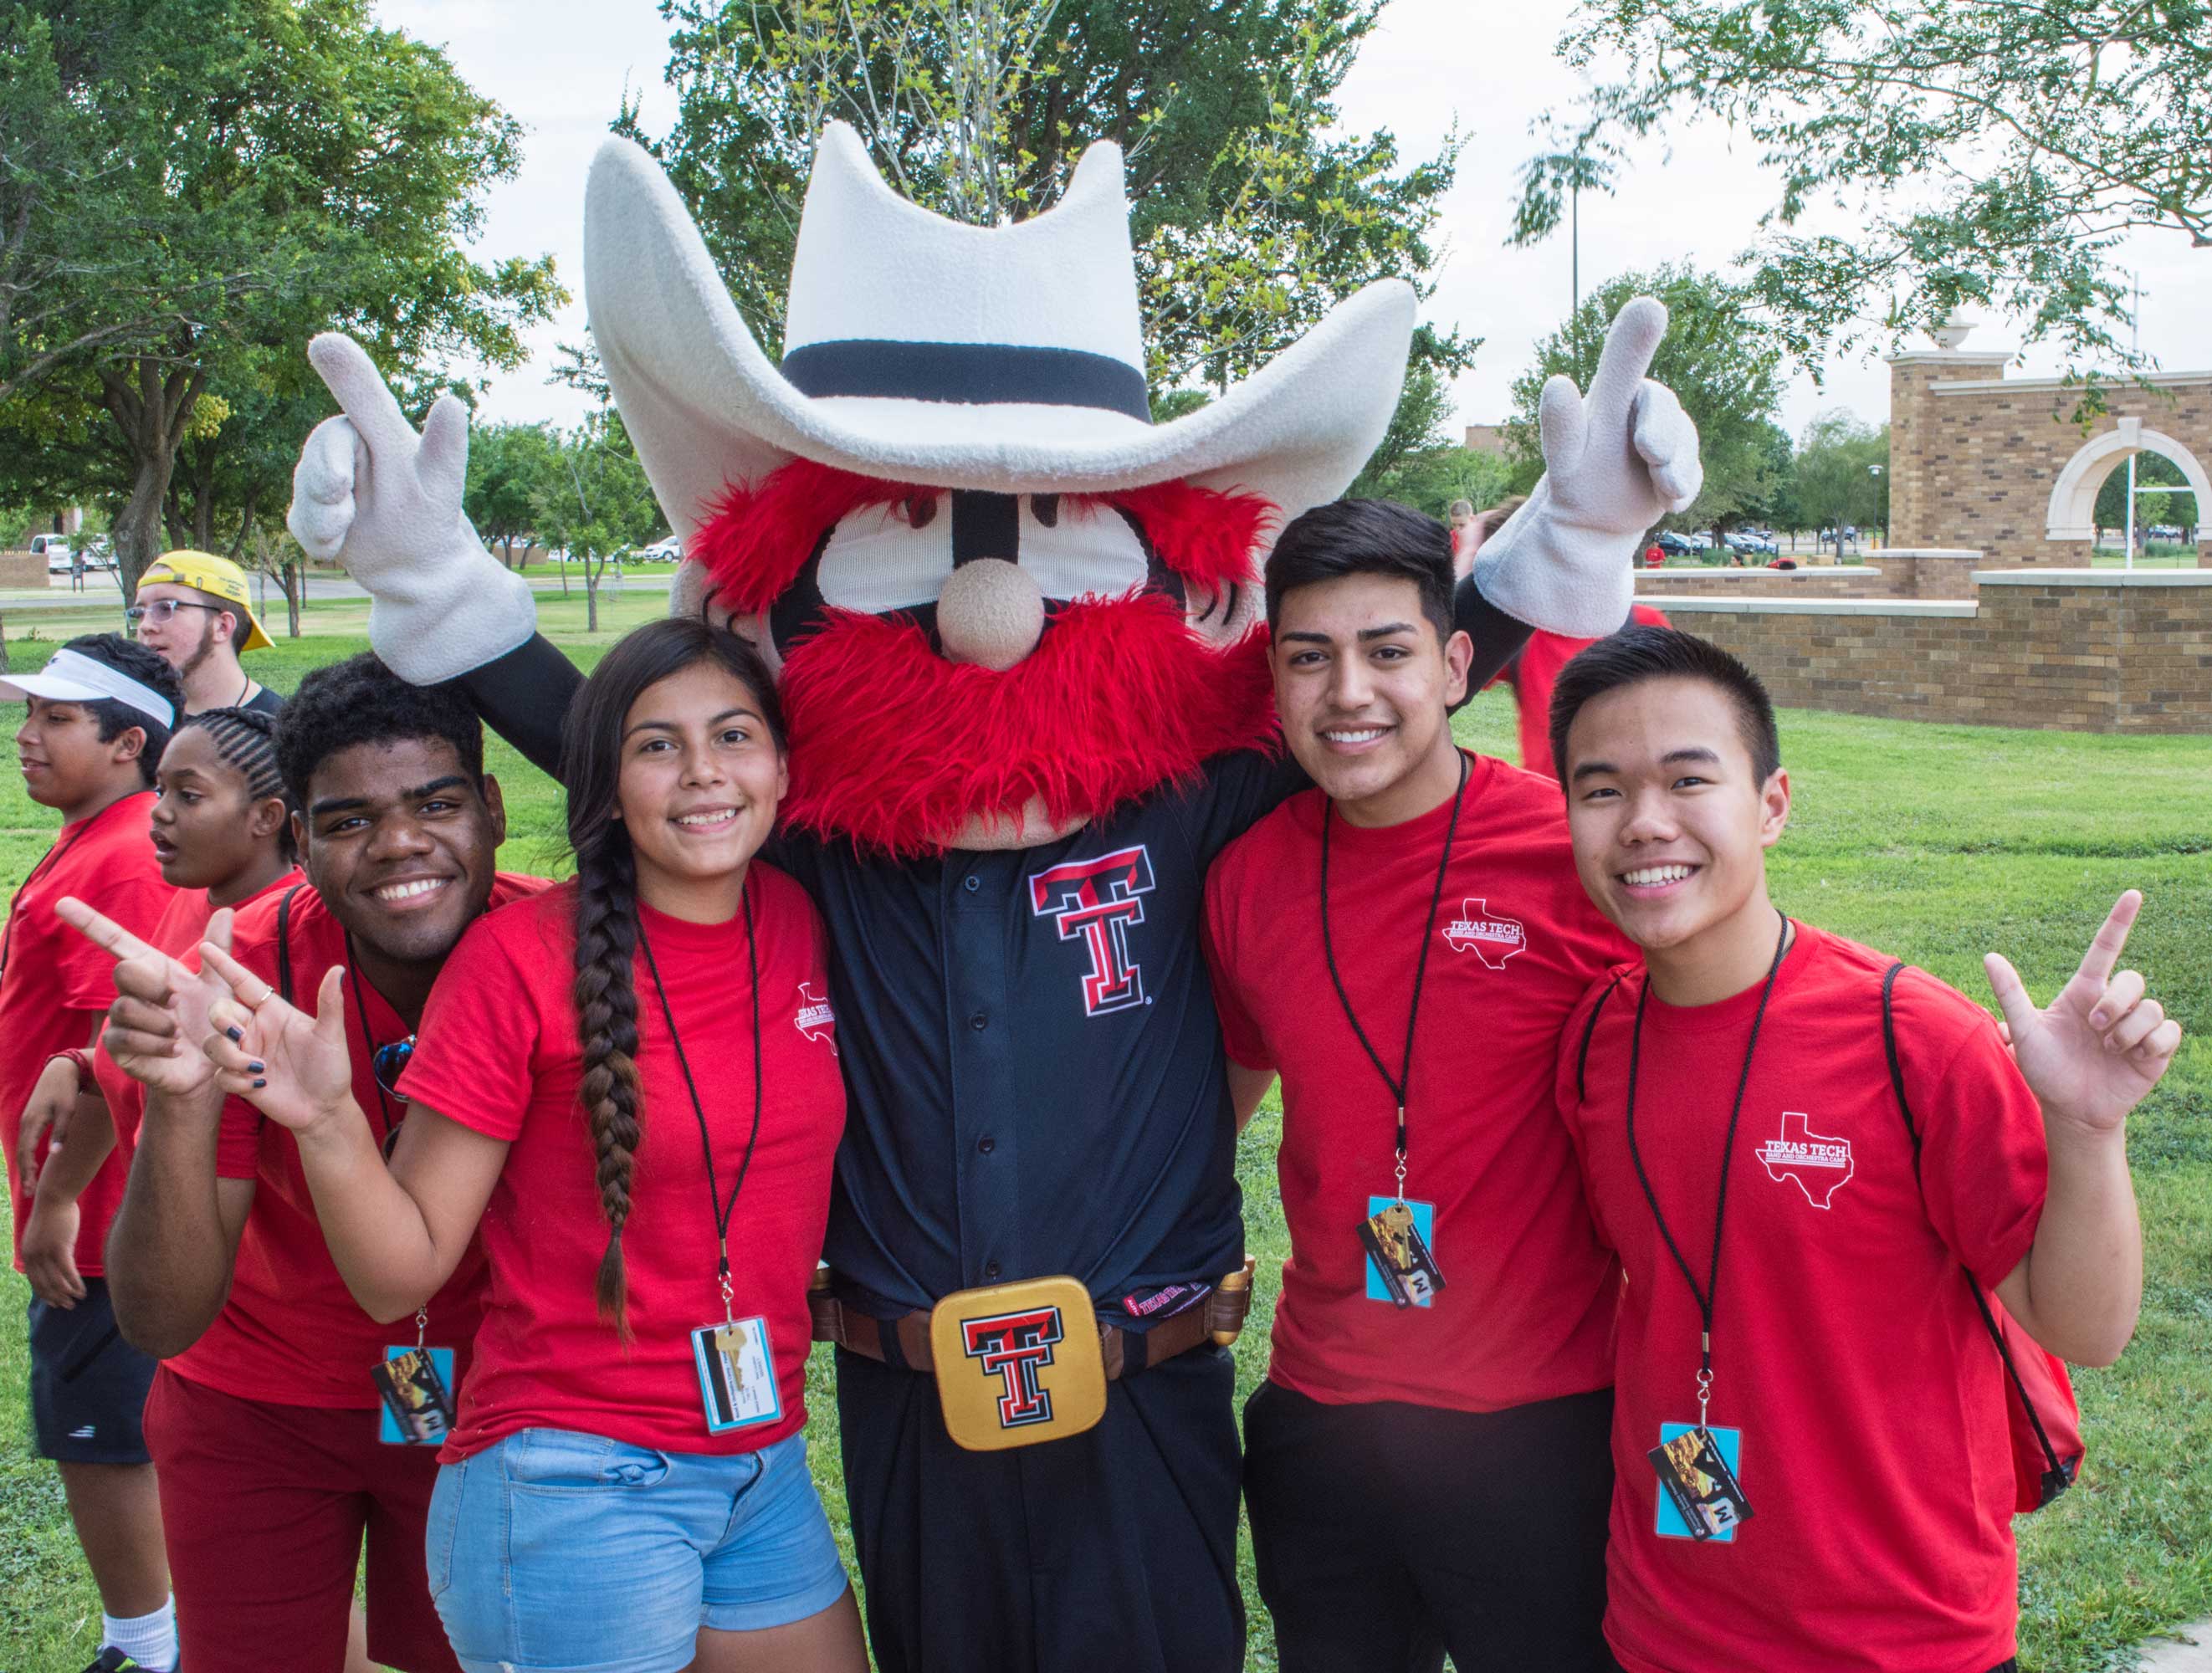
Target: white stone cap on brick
1722,572
1927,552
2036,577
1690,604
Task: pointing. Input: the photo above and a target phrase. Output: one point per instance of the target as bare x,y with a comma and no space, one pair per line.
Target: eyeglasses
386,1062
162,610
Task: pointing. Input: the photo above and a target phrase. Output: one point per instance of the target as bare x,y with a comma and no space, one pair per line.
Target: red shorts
264,1510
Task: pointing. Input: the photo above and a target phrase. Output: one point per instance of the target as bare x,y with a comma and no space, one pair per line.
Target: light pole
1874,471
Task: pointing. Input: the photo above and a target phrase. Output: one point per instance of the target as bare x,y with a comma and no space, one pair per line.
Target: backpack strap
1973,1284
284,942
1589,1027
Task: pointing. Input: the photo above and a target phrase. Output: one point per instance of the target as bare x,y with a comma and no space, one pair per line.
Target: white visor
70,677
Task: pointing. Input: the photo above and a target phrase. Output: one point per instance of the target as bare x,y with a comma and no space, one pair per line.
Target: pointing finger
2112,938
344,365
252,991
103,932
1637,331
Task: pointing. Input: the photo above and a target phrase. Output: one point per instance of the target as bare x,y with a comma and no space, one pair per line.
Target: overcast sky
561,66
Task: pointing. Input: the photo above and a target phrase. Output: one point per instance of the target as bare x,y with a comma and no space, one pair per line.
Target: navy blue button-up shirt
1034,1066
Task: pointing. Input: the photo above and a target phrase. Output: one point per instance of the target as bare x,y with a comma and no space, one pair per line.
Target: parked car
1672,544
99,553
55,548
670,551
1743,539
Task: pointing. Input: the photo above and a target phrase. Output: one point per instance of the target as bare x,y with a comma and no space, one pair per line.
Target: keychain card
1700,1497
736,1374
418,1409
1401,1268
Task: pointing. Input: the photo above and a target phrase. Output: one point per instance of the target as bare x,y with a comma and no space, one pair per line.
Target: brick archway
2073,512
1982,462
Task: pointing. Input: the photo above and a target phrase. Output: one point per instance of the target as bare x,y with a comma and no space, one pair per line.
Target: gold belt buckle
1018,1363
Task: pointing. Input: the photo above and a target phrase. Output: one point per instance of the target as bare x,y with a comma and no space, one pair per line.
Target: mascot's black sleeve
523,696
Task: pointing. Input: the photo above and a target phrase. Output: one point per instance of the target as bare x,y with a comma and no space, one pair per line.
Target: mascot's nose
990,613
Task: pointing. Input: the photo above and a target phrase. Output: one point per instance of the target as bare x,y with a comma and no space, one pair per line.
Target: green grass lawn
1933,843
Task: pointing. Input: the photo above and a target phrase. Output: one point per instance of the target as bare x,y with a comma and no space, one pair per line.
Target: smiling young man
1810,1432
264,1421
192,608
1426,1466
97,718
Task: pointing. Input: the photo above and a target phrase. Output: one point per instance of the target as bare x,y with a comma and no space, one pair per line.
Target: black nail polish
257,1085
257,1068
234,1036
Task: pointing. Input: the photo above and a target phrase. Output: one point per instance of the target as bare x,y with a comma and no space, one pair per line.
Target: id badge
1699,1497
736,1374
1401,1266
418,1409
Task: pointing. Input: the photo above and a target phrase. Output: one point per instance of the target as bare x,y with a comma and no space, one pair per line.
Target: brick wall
2055,654
23,569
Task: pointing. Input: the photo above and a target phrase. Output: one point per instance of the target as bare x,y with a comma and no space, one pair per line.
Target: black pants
1113,1551
1389,1533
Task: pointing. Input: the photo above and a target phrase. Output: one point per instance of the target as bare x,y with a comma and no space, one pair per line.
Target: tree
1547,180
2152,471
1716,357
596,503
1991,153
1250,216
511,467
195,186
1835,481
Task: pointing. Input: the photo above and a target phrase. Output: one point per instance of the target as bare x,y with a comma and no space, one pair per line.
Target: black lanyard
1405,1076
722,1211
53,857
1703,1297
369,1044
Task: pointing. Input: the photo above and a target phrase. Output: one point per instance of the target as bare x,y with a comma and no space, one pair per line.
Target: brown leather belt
1218,1318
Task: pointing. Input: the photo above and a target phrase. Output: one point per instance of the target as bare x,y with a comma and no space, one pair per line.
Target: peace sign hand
370,493
1615,462
161,1011
292,1067
2101,1045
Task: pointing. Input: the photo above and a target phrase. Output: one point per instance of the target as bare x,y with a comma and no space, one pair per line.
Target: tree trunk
295,586
591,599
150,407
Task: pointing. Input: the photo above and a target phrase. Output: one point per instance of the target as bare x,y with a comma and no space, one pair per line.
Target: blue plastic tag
1689,1481
1401,1266
417,1385
736,1375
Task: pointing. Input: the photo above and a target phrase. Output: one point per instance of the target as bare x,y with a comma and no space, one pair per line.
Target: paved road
102,590
2189,1651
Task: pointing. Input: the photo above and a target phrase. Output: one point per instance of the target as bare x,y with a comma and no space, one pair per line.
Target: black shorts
1387,1534
88,1385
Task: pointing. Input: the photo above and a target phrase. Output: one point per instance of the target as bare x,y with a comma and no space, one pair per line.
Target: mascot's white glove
386,503
1615,464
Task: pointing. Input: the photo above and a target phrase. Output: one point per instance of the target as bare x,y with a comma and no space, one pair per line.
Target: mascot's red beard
898,749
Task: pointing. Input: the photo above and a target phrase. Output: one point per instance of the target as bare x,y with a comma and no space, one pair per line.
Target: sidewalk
2189,1651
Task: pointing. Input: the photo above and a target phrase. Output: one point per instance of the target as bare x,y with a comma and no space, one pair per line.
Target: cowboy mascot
1013,625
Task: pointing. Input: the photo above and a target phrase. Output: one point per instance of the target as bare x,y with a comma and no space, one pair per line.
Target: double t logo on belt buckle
1018,1363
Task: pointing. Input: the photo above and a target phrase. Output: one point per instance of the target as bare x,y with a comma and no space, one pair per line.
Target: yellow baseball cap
206,572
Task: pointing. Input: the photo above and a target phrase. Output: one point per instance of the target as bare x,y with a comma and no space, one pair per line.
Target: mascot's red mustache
896,748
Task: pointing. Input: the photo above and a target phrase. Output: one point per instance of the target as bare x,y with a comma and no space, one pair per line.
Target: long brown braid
612,1095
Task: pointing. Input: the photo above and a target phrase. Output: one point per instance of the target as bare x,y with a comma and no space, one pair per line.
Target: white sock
149,1640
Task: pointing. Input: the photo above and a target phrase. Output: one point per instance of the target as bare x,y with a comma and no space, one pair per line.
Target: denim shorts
556,1552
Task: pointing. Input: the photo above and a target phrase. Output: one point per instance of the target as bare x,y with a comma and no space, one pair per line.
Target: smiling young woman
653,1329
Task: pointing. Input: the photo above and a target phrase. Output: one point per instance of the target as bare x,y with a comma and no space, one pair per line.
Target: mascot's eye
1074,552
887,558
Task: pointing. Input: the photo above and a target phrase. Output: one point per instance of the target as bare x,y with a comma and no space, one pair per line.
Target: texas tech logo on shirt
1098,901
1494,937
1014,1347
816,1019
1820,1164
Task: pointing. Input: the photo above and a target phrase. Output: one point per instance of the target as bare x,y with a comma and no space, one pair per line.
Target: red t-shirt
499,1053
55,983
1846,1345
291,1334
1536,671
1526,1306
177,933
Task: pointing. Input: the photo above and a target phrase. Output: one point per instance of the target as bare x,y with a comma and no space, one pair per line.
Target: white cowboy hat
1006,359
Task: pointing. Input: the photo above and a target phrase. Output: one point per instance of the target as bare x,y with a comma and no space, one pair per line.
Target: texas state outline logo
1820,1164
816,1018
1494,937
